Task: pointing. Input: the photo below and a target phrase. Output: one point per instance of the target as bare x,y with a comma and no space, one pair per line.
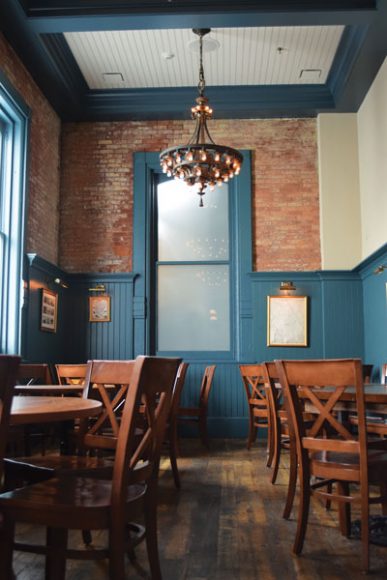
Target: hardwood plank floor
225,524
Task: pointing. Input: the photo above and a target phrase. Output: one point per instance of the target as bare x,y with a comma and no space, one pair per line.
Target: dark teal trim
146,165
36,34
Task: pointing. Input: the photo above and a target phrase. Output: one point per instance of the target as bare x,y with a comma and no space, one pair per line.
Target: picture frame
287,321
49,311
99,308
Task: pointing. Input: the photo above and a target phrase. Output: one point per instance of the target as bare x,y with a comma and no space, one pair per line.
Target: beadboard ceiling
99,60
239,56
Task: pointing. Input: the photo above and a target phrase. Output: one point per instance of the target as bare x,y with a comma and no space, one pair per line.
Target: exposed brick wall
97,189
42,225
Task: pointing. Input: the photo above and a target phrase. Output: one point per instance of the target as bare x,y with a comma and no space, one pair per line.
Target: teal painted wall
347,317
374,288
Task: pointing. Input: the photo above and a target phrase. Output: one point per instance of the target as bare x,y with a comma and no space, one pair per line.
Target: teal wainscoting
374,286
38,345
347,317
103,340
76,339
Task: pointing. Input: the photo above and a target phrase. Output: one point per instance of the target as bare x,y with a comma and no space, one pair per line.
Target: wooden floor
225,524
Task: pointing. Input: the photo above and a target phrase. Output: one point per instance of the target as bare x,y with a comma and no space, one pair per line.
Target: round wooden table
48,389
27,410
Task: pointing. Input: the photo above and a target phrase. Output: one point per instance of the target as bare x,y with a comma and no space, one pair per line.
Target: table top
48,389
373,393
50,409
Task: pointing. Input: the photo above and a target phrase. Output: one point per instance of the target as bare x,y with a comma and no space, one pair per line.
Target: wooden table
374,393
26,410
48,389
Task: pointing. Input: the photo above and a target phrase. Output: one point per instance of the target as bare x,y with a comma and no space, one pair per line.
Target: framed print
99,308
49,311
287,321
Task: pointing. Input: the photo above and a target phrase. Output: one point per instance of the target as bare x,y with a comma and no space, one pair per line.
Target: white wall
340,217
372,137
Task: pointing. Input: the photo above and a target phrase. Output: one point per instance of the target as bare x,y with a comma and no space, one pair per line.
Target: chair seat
31,470
323,462
80,501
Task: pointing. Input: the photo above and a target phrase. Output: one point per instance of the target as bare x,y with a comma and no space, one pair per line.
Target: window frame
14,118
146,166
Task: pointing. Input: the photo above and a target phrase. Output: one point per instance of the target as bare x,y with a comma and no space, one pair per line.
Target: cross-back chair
93,439
198,415
71,374
65,503
257,398
328,451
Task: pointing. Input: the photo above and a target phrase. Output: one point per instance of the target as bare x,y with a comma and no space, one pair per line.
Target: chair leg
117,548
365,556
252,435
150,512
203,431
56,553
344,509
276,442
292,481
383,493
303,512
7,533
172,458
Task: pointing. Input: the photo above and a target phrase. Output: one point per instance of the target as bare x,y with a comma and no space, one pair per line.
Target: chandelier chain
202,82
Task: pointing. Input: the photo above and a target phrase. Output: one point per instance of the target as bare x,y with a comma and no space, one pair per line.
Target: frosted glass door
193,270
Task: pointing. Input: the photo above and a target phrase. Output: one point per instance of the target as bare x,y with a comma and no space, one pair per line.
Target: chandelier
201,163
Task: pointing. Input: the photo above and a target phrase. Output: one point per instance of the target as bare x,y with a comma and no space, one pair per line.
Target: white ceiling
246,56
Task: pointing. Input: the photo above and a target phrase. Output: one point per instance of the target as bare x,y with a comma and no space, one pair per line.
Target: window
193,269
13,139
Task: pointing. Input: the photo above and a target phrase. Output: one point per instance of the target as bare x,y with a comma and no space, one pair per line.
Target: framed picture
49,310
99,308
287,321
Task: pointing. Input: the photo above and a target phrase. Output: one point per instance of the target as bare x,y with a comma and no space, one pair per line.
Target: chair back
8,373
108,381
254,380
384,374
34,374
322,383
152,382
178,388
206,385
71,374
273,392
367,373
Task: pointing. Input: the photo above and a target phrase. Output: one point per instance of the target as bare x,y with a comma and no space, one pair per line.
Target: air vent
113,78
311,75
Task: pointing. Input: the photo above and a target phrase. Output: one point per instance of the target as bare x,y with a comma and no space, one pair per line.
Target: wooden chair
336,456
68,374
259,414
8,373
282,436
172,433
66,503
33,374
93,440
198,414
383,376
367,373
